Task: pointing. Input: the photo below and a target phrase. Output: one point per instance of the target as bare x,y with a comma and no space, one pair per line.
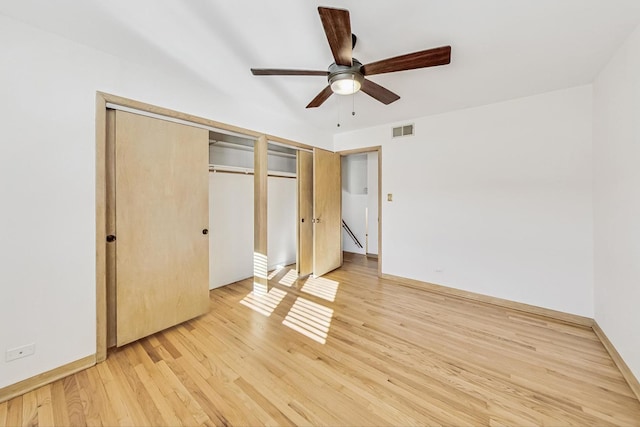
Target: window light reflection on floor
289,278
321,287
260,288
264,303
310,319
275,272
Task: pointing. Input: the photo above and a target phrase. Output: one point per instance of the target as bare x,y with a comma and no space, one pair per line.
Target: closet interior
231,199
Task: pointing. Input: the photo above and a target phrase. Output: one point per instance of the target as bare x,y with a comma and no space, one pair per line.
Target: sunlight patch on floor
321,287
260,288
310,319
289,278
277,270
264,303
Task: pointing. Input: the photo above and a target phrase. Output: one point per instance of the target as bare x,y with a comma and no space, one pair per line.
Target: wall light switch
389,197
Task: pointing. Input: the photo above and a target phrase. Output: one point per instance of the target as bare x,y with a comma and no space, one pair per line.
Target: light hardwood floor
393,355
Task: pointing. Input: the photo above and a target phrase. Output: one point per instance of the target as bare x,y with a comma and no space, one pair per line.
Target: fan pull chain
353,104
338,102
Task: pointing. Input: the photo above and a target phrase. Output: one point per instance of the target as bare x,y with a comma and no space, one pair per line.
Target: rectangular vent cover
406,130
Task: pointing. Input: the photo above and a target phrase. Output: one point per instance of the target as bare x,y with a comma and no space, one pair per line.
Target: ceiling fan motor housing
341,75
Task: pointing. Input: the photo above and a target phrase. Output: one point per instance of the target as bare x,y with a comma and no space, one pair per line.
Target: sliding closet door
305,212
327,212
162,216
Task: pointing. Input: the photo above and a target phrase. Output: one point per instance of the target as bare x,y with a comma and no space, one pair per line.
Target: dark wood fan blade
378,92
281,72
321,97
410,61
337,27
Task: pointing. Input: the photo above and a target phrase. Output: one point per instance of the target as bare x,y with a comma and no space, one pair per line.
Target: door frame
378,149
101,181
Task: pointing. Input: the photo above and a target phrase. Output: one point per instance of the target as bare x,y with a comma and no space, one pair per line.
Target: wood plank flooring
346,349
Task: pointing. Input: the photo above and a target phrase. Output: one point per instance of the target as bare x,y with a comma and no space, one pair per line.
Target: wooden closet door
327,212
305,212
162,254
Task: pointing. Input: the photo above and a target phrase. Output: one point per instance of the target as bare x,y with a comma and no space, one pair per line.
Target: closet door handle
205,231
111,238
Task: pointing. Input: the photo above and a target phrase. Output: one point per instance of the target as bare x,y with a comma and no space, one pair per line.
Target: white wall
281,163
494,200
616,137
354,200
230,228
282,218
354,173
220,155
47,170
354,214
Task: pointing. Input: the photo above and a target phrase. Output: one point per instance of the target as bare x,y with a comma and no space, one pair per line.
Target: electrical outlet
20,352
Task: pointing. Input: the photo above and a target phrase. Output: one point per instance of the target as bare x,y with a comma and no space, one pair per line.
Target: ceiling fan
347,75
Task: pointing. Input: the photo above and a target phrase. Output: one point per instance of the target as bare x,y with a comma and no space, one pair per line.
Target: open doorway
361,202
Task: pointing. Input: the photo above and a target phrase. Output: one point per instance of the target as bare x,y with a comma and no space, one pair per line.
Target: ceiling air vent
405,130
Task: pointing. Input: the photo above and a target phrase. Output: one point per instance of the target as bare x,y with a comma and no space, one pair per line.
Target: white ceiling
501,49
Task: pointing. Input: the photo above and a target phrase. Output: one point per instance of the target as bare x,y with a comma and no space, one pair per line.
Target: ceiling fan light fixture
346,83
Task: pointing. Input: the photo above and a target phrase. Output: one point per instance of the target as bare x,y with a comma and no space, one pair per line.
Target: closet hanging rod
280,144
179,121
249,171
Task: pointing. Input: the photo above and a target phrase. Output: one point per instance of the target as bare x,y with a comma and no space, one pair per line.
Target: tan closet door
162,208
327,212
305,212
